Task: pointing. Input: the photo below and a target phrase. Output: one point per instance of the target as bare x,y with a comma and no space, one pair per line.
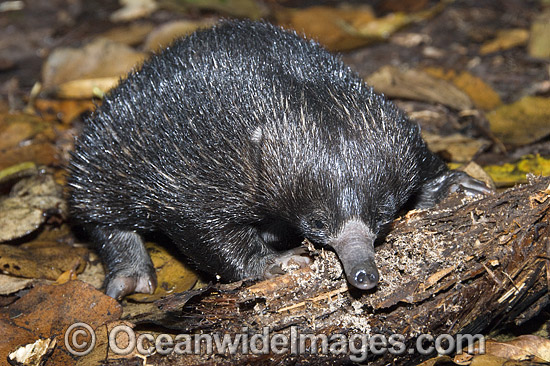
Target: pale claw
291,259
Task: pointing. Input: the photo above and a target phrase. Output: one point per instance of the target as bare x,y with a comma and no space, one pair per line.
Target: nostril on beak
365,280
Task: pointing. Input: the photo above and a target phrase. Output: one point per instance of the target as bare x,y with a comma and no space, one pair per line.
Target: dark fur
233,135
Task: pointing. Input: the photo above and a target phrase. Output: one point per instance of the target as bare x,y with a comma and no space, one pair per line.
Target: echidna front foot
448,182
290,259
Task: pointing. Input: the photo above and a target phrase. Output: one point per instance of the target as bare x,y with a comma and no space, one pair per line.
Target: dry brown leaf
505,39
11,284
98,59
25,139
327,25
172,275
509,174
418,85
62,232
64,110
16,172
48,310
134,9
539,43
132,34
13,133
522,122
86,88
407,6
103,351
94,273
456,147
250,9
165,34
39,153
521,348
345,28
491,360
68,275
463,358
13,336
481,94
23,211
438,361
33,354
19,128
382,28
532,344
41,259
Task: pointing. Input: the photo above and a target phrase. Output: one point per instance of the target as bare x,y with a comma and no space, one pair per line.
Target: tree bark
460,268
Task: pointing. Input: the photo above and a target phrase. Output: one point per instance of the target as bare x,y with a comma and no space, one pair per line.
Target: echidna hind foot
129,265
120,285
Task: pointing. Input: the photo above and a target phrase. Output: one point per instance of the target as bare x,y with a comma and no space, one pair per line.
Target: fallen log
463,267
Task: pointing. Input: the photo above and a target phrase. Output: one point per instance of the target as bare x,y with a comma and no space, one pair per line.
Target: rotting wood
459,268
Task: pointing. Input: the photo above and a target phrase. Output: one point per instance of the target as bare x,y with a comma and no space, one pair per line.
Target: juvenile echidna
237,139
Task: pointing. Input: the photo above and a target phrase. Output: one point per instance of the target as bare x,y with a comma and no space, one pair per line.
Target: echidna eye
319,224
